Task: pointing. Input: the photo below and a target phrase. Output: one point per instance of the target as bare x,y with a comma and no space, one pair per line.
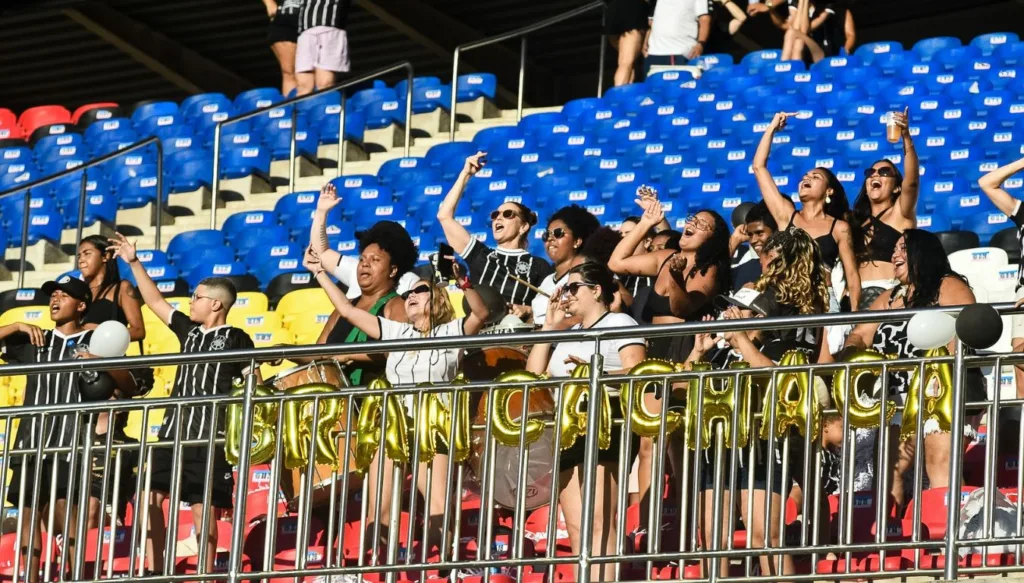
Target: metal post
291,150
159,191
590,463
242,487
81,209
522,78
216,175
602,47
341,134
955,463
455,91
24,240
408,108
86,476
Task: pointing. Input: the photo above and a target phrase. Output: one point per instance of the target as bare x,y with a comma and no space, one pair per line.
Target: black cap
72,286
747,299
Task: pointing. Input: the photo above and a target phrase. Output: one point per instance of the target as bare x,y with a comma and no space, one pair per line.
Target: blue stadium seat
184,243
669,84
327,118
447,156
953,58
385,210
125,167
934,221
249,160
986,223
575,108
266,272
609,182
246,220
48,145
113,141
475,85
254,99
425,196
188,173
633,98
488,194
400,86
154,109
100,127
98,208
294,205
279,142
137,191
271,252
213,269
832,66
252,236
988,43
194,105
391,168
157,125
867,53
714,60
926,49
1010,54
45,223
755,59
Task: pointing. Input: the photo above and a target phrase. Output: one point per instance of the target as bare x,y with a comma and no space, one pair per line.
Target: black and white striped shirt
333,13
493,266
48,389
1018,219
289,7
197,380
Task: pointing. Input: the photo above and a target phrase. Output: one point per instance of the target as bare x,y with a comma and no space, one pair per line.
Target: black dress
625,15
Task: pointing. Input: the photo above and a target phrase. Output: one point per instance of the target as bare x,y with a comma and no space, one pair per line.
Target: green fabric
355,376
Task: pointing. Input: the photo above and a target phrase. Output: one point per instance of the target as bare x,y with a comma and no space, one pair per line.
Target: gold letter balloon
504,428
718,405
792,410
373,412
645,422
299,433
864,417
437,414
264,417
573,420
935,390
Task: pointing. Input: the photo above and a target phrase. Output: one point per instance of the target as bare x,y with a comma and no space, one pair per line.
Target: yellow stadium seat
303,302
455,296
36,315
250,302
150,319
160,340
250,321
263,337
307,327
133,425
267,370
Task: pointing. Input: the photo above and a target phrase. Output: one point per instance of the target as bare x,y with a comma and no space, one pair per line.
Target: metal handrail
521,33
341,125
274,353
81,197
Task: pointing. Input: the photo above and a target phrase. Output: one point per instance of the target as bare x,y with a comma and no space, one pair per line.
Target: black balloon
739,214
979,326
96,386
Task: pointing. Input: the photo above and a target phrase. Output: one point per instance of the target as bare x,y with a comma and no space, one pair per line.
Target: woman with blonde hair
793,282
429,313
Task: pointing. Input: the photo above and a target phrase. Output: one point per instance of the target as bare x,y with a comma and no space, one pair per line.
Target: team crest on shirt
522,268
218,343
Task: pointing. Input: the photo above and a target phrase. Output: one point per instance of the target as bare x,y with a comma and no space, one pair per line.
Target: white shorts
322,48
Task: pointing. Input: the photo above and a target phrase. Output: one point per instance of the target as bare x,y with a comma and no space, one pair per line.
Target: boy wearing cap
36,484
204,329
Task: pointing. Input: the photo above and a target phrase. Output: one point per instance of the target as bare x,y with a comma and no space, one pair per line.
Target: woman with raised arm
885,207
823,208
925,279
428,313
992,185
684,280
588,296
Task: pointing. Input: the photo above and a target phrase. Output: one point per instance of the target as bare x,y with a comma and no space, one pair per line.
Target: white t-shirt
347,272
421,366
540,303
585,349
674,26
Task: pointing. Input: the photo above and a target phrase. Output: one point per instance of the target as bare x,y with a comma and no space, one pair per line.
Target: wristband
464,283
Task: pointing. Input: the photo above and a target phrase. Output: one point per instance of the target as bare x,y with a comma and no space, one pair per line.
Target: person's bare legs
707,519
211,537
156,532
630,45
605,534
756,530
324,79
438,504
937,448
304,83
381,465
285,53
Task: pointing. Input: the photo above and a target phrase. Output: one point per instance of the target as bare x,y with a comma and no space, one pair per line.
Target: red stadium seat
35,117
89,107
9,128
284,553
934,504
120,566
187,565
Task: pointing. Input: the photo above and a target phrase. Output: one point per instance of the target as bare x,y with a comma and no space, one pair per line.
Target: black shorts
284,28
193,475
576,454
46,482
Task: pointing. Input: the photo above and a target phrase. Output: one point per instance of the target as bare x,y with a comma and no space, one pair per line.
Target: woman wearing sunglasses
885,207
588,295
509,267
567,232
823,208
428,313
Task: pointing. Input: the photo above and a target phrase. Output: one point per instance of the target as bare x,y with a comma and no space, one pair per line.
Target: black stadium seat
50,129
180,289
99,113
245,283
953,241
1007,241
285,283
17,298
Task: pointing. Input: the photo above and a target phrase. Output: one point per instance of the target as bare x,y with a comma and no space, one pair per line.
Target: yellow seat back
35,315
302,302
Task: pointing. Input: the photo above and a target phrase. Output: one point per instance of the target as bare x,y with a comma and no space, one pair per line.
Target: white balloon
109,339
929,330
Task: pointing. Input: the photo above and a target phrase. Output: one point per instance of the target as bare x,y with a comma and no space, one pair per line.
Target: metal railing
27,188
521,34
678,532
341,125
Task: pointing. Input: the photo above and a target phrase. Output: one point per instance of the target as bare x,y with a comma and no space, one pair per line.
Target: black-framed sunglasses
420,289
574,287
556,233
507,214
883,172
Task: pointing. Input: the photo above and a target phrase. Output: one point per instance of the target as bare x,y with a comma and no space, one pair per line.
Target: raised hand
653,213
121,247
474,163
311,261
703,342
645,191
902,120
677,264
779,121
328,198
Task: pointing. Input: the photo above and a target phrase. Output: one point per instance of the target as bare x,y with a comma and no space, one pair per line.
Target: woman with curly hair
567,232
793,282
822,214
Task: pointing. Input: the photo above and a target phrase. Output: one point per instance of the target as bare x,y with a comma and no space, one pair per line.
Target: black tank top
827,245
657,304
882,241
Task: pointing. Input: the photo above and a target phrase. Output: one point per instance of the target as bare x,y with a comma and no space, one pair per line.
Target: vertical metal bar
270,542
590,463
142,482
37,478
84,498
341,134
601,48
174,496
522,79
216,179
955,464
81,209
408,109
24,240
291,150
455,91
203,530
242,487
160,194
992,439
